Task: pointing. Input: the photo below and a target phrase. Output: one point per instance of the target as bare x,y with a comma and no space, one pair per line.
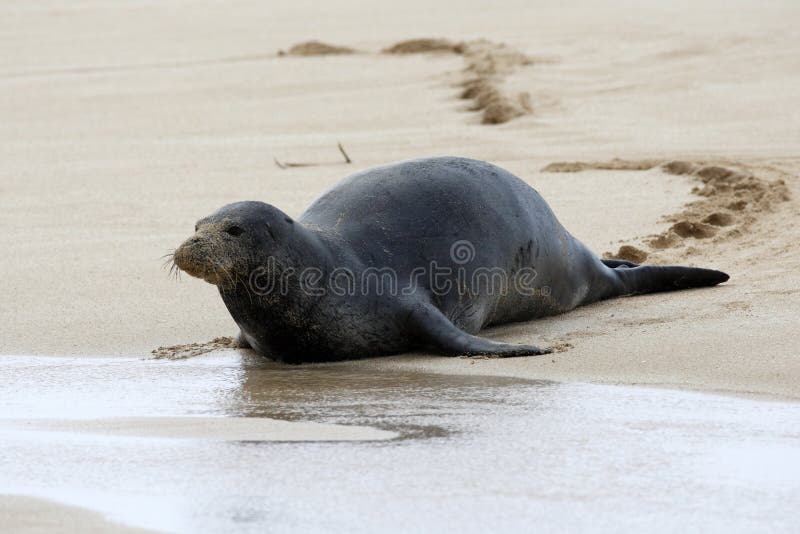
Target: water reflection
388,398
478,453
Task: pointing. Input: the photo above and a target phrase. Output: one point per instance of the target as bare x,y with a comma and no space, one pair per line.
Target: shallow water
472,453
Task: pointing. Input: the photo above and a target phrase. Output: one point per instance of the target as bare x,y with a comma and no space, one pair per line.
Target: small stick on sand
347,159
289,164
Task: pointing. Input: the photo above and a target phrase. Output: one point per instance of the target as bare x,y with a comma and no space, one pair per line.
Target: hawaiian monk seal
417,254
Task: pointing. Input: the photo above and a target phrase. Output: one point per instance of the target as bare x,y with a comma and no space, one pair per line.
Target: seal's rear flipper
431,325
655,278
618,263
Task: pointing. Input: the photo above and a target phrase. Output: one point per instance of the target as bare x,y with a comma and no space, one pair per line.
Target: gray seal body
417,254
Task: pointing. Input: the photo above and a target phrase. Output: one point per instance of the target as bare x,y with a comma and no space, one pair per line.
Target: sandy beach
114,143
123,123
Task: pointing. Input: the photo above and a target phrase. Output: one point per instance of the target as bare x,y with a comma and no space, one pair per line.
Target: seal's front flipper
432,326
241,341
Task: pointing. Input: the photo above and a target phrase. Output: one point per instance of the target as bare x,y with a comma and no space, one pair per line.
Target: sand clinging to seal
189,350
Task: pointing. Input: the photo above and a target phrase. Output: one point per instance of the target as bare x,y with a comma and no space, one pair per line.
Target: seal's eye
196,227
234,230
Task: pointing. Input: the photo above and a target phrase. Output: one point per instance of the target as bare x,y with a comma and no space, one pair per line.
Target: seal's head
229,243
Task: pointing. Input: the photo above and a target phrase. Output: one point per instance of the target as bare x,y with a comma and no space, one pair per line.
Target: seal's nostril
234,230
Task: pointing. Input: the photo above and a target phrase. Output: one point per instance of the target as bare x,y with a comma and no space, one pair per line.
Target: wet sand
203,428
30,515
471,452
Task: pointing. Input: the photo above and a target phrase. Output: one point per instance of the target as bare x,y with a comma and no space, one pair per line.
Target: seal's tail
636,280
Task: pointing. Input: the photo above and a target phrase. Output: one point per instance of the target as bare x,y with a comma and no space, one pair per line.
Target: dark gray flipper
431,325
657,278
241,341
619,263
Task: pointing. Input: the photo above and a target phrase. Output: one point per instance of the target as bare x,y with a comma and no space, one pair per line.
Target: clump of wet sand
426,45
732,198
697,230
628,253
615,164
316,48
189,350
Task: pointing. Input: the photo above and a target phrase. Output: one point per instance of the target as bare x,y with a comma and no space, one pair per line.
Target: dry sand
124,123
